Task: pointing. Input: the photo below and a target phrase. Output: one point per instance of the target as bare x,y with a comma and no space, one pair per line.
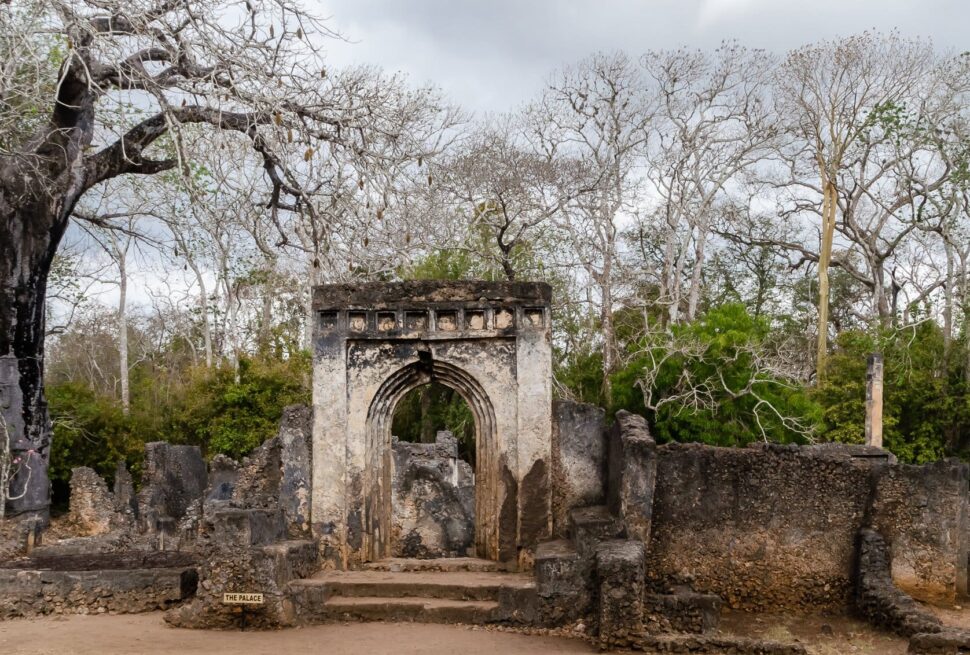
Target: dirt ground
147,633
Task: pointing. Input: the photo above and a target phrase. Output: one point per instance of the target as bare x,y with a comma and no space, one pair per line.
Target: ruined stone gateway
566,517
491,342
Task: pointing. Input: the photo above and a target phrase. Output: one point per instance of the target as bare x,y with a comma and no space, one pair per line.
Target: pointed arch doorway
375,342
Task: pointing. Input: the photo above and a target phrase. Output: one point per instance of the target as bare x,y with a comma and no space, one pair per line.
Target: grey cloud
495,55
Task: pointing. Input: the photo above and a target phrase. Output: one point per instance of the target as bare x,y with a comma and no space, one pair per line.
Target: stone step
589,525
437,564
453,585
420,610
559,569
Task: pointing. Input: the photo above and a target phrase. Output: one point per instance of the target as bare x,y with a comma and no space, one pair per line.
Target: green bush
926,404
214,408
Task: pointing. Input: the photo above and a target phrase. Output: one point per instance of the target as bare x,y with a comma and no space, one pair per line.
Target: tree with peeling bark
131,75
826,92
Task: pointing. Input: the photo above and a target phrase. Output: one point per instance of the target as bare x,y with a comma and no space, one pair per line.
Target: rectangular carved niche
504,319
416,321
475,319
447,320
357,321
534,317
386,321
327,321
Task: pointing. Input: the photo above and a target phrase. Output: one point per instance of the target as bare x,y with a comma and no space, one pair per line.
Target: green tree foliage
926,406
216,409
711,381
432,407
232,414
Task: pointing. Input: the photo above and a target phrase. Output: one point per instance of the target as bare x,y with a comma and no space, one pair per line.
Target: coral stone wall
770,527
762,527
922,512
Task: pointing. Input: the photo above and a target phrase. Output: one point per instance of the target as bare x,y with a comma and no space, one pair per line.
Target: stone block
620,574
588,526
632,473
558,569
578,460
173,481
244,528
223,473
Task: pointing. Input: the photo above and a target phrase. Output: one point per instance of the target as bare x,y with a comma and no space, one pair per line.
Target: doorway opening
434,456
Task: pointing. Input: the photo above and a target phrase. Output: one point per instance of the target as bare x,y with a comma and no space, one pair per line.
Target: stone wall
94,584
578,460
922,512
433,500
770,526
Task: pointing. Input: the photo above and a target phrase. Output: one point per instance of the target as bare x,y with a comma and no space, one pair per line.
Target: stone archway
377,485
373,343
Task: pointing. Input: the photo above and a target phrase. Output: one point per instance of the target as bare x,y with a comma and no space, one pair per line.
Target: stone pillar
329,456
874,373
534,377
632,473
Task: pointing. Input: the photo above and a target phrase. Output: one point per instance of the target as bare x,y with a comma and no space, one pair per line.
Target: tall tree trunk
29,236
123,328
693,298
948,302
609,339
879,296
825,257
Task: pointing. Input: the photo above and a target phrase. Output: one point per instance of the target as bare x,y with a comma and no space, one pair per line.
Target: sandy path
147,633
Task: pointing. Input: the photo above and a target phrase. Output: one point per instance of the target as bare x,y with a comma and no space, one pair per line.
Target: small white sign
242,599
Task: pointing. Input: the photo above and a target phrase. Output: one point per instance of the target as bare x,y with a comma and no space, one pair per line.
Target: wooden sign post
242,602
874,372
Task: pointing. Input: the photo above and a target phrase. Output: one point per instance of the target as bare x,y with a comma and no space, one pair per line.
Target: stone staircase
460,590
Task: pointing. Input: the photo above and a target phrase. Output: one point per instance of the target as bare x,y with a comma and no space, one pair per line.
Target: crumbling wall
173,482
433,500
922,512
578,460
92,506
773,526
245,551
765,527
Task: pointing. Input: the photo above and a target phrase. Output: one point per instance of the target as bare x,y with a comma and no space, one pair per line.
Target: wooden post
874,369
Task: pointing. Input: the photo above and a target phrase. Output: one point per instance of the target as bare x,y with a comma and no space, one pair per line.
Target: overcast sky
492,55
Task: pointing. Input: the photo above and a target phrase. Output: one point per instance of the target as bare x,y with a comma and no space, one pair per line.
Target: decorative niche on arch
490,341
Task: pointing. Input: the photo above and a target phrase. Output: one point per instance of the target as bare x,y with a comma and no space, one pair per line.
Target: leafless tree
826,92
713,124
596,113
132,74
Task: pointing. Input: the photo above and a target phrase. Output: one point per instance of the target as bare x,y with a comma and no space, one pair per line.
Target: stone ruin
433,500
564,520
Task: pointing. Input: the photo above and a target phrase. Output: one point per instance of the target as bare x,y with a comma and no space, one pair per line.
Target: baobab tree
124,77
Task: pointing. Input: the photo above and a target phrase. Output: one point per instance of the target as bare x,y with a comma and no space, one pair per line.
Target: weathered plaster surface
374,343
